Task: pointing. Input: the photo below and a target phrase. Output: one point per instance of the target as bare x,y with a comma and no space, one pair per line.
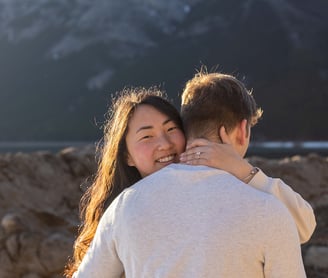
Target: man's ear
223,136
242,133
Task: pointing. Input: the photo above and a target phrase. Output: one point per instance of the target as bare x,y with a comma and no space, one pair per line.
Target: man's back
187,221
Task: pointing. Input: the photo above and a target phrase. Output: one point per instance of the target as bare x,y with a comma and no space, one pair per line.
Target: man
197,221
237,113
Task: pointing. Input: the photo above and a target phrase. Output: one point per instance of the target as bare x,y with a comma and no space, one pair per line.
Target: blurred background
61,60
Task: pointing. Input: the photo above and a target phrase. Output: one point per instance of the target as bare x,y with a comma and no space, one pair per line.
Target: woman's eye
172,128
145,137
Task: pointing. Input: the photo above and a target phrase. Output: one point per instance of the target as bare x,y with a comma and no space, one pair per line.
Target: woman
142,135
116,169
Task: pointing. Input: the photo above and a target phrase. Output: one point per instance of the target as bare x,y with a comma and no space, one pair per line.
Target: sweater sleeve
300,209
282,252
101,259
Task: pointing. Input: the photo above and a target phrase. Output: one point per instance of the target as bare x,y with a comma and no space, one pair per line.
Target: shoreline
40,194
267,149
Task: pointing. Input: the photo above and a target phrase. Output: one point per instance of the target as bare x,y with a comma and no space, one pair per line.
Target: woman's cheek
145,147
180,141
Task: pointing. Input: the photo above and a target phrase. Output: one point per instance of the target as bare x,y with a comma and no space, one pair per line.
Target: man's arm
224,157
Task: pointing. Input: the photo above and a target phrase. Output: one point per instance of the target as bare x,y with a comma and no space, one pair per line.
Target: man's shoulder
175,178
189,171
175,171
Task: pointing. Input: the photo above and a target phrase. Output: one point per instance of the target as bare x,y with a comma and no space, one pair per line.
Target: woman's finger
190,154
193,155
195,160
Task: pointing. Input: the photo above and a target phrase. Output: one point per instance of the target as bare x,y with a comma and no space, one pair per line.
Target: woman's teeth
166,159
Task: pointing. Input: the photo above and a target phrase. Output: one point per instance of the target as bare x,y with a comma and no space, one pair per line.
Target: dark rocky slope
40,192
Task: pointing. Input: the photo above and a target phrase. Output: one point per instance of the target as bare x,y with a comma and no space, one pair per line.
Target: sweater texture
194,221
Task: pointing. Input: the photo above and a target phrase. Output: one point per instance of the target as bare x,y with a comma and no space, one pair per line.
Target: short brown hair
210,100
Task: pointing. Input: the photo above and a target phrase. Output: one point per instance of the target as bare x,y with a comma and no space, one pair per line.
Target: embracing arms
224,156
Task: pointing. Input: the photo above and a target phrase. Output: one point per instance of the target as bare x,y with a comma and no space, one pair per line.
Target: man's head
213,100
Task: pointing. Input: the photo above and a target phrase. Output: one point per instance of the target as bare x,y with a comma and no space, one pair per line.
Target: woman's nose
164,142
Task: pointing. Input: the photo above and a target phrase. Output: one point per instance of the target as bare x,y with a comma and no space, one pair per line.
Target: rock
39,221
12,223
307,175
31,275
12,247
6,269
29,253
317,257
2,237
79,161
54,251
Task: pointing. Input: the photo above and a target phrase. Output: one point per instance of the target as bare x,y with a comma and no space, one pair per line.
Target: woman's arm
224,157
300,209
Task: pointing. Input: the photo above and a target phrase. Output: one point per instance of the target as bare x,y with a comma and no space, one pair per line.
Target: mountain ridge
60,62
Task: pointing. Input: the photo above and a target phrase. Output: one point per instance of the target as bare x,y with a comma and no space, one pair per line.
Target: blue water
28,146
269,149
287,148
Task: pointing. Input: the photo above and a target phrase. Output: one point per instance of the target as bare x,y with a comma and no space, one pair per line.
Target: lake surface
32,146
275,149
270,149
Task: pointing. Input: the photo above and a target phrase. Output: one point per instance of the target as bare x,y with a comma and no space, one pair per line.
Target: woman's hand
221,156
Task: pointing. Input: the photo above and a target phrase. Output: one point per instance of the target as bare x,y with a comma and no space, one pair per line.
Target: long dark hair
114,174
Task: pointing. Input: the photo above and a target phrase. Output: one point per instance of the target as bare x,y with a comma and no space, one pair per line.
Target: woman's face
153,140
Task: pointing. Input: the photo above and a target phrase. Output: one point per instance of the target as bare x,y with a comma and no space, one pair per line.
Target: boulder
40,194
